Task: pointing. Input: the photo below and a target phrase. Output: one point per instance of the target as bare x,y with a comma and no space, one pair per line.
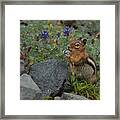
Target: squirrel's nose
66,52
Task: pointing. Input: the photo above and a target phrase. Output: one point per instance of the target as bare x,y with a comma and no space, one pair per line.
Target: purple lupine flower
44,34
66,31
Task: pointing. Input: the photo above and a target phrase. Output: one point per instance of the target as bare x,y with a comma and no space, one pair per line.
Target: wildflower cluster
66,31
46,34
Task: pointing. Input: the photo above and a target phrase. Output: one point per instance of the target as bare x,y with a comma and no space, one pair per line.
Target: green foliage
47,98
83,88
36,46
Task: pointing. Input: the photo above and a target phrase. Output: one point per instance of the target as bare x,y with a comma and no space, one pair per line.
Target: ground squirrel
80,62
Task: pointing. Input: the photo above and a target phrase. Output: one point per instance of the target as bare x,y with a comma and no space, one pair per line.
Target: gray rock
22,68
50,76
70,96
67,87
28,88
57,98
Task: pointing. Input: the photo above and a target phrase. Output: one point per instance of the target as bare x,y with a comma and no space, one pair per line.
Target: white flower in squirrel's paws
66,52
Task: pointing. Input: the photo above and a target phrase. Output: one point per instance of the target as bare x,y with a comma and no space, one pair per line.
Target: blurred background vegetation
43,39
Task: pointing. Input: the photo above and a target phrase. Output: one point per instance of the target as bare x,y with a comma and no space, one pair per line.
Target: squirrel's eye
77,45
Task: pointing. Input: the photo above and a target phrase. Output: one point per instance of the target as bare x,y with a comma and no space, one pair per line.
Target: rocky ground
46,80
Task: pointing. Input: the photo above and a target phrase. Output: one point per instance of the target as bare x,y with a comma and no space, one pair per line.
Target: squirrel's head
75,50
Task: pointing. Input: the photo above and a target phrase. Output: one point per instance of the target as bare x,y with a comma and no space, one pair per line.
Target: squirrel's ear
84,41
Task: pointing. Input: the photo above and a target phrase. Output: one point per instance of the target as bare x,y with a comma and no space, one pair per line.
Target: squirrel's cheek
67,58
